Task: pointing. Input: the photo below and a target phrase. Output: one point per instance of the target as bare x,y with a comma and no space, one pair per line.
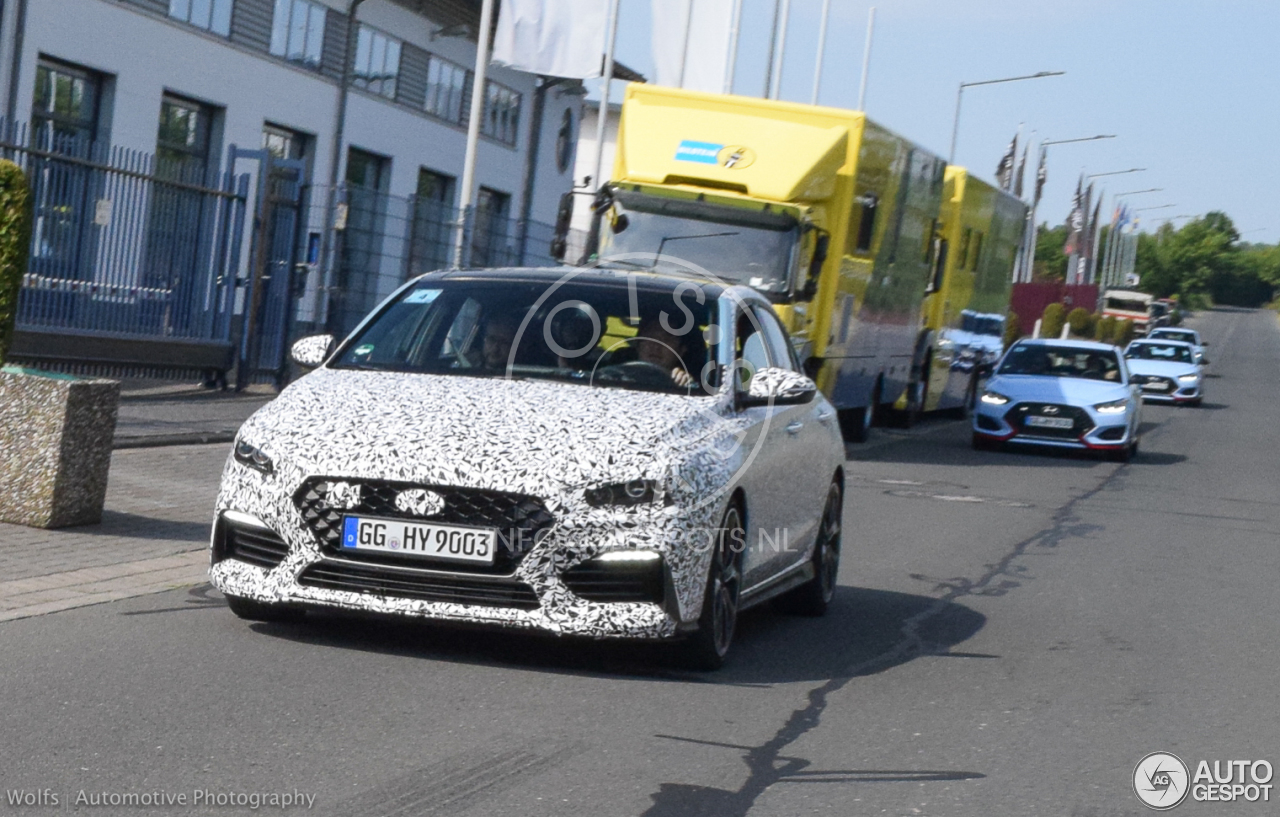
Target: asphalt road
1013,632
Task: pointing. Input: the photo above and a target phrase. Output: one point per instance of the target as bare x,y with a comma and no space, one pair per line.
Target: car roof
1164,329
1162,342
1083,345
605,276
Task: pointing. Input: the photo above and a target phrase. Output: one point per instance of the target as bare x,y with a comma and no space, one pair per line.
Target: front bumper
534,594
1104,432
1183,395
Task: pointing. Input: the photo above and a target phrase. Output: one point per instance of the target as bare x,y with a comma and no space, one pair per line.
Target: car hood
1073,391
526,436
1163,368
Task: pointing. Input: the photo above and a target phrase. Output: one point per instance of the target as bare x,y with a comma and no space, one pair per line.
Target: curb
161,440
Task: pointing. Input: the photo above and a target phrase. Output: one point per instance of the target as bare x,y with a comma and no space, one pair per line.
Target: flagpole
776,90
822,49
602,118
688,28
866,60
773,45
732,65
473,129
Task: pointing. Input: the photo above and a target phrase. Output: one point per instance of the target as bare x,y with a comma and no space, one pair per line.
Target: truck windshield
756,249
1125,305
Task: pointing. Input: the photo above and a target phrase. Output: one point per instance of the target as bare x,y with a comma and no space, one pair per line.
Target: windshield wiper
667,238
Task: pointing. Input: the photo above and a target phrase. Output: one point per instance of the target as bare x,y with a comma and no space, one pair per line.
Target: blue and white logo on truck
701,152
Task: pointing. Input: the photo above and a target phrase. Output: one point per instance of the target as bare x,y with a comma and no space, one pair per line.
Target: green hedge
1012,329
15,244
1105,331
1081,322
1052,321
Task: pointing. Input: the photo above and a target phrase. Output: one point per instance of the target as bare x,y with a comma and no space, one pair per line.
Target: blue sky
1190,88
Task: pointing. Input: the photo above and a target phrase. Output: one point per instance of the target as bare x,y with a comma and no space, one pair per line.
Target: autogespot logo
1161,780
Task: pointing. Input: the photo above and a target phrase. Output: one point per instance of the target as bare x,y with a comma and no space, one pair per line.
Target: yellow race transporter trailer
967,298
827,213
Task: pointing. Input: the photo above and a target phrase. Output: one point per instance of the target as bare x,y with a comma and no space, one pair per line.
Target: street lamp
1116,172
1080,139
1157,207
955,125
1136,192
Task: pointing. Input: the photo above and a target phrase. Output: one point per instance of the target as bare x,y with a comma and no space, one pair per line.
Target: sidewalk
159,413
153,536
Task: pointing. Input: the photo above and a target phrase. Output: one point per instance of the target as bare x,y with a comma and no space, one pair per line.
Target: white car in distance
1166,370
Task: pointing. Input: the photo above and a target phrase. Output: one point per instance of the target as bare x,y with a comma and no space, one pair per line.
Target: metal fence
137,262
122,245
384,240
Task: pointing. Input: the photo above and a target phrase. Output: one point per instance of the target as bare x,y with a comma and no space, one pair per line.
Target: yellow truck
828,214
967,298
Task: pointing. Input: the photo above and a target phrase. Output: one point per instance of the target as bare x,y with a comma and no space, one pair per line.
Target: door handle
794,427
825,416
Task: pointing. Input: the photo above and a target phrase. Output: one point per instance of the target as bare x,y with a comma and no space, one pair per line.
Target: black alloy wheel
813,597
707,648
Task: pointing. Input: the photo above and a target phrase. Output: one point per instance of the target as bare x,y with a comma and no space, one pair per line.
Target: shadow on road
137,526
770,648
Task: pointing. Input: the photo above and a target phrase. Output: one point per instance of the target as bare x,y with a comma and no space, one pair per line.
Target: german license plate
1156,386
450,543
1049,422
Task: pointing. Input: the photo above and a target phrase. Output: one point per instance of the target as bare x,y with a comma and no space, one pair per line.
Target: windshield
980,324
1159,351
1173,334
1126,305
753,249
597,335
1061,361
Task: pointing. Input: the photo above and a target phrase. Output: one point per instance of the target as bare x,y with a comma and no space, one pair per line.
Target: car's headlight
994,398
1114,407
251,456
1188,378
626,494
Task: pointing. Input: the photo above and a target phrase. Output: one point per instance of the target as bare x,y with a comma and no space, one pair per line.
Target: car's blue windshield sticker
422,296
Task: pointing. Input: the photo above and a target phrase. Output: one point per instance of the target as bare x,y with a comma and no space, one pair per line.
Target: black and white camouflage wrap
546,439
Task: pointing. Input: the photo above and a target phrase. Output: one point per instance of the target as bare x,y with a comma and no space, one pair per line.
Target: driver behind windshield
659,347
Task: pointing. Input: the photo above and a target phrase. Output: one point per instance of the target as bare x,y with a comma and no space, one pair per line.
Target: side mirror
778,387
821,245
311,351
619,223
985,369
564,216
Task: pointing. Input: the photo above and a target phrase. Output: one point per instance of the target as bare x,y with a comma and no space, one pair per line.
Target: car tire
251,610
855,423
813,597
708,646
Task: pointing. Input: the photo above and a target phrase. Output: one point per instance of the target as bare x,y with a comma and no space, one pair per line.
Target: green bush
1124,332
1012,329
1052,321
1105,330
15,243
1081,322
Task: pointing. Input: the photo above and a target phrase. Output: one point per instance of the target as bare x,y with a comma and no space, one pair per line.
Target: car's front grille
254,545
519,520
1080,422
389,582
1166,386
616,581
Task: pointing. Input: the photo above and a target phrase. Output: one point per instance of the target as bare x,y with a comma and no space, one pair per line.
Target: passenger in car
499,335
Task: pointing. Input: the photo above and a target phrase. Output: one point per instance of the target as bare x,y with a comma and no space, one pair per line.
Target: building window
211,15
283,143
297,31
377,62
446,88
182,140
489,236
64,112
865,234
432,221
501,113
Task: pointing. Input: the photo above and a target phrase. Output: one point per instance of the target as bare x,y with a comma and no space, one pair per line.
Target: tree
1049,262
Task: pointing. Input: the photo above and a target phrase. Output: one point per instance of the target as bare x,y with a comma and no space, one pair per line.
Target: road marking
1005,503
38,595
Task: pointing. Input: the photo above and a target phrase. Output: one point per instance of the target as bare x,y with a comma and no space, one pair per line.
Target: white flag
691,43
557,38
